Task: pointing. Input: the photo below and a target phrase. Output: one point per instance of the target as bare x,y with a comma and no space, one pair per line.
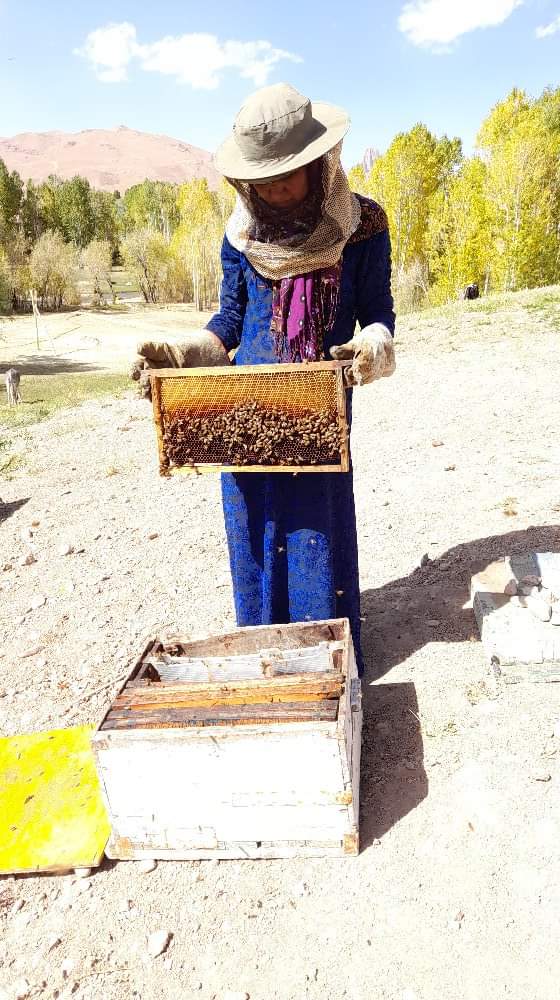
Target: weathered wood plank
251,639
223,715
185,694
285,366
199,468
123,848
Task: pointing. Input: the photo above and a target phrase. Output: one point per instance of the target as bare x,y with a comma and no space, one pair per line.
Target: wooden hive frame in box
241,745
283,391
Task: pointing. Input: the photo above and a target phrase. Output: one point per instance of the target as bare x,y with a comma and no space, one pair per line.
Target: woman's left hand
372,352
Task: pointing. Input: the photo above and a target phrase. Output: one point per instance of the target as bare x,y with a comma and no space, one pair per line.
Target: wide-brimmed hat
279,130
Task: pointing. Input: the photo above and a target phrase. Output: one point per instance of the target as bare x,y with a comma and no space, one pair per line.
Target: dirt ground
82,340
456,892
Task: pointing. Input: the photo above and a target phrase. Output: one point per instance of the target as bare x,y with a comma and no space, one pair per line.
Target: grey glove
197,349
372,352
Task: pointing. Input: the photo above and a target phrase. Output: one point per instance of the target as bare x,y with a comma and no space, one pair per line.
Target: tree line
492,218
167,235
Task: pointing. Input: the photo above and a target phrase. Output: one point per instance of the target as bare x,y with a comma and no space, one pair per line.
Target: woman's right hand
197,349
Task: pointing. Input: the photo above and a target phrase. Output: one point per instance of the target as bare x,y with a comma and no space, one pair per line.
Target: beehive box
251,418
245,745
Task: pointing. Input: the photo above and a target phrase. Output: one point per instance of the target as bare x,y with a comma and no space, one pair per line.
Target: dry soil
456,892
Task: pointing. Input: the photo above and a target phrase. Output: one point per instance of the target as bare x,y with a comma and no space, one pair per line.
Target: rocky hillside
111,159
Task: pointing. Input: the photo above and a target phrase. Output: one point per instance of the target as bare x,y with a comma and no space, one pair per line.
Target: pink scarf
303,311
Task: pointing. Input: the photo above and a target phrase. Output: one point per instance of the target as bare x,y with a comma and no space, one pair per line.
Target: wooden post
33,296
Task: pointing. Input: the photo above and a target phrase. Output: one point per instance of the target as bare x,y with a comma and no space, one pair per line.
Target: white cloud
196,59
548,29
437,23
109,50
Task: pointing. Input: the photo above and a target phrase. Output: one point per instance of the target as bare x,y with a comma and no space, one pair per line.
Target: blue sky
183,69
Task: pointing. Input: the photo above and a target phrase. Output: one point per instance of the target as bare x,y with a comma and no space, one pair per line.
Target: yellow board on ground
52,816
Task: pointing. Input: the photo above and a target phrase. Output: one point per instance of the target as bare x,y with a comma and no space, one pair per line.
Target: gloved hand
372,352
196,349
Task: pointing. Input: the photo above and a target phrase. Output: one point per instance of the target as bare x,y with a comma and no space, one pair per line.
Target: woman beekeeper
303,260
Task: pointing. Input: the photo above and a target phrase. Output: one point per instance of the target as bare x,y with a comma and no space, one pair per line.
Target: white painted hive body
268,788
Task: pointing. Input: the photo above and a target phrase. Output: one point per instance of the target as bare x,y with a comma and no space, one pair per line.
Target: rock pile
530,593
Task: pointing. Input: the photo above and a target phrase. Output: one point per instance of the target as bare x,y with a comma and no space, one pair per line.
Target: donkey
12,386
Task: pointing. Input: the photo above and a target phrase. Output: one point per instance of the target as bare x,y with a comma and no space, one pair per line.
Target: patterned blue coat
292,539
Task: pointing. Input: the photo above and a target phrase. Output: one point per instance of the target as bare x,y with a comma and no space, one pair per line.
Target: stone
7,567
146,866
152,535
528,590
424,560
28,559
22,989
300,889
26,534
539,609
26,651
437,444
158,942
450,468
37,602
82,872
235,995
65,549
541,776
67,967
510,588
530,580
555,618
511,636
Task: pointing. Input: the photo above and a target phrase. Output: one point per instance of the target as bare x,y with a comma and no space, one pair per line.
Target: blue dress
292,539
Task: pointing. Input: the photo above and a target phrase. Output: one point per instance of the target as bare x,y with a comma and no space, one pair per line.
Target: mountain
111,159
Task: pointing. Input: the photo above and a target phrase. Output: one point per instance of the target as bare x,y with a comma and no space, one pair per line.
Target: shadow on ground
393,779
9,508
397,615
48,364
396,625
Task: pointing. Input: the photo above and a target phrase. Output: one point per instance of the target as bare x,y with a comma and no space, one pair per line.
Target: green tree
147,255
11,196
31,219
520,144
198,238
150,205
105,219
404,180
53,267
96,259
459,234
77,219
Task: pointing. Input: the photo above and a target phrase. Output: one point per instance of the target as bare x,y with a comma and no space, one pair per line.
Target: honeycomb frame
294,389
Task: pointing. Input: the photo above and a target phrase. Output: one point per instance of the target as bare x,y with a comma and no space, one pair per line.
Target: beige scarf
321,248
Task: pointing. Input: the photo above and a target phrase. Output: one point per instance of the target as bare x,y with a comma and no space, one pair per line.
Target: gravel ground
456,893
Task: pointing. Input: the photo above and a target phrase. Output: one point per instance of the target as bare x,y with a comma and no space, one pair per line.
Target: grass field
45,394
